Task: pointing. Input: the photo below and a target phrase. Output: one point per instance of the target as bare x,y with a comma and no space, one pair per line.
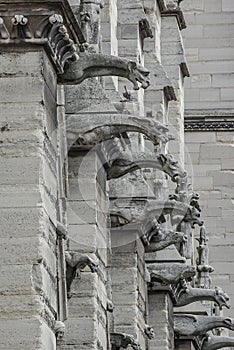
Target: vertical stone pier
29,174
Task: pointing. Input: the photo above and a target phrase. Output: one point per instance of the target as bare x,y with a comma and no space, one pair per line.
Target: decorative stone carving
95,65
20,27
75,262
173,9
167,274
109,306
206,123
156,238
193,325
188,295
59,329
90,20
122,340
4,34
127,163
149,331
41,26
93,129
213,342
141,211
61,231
203,267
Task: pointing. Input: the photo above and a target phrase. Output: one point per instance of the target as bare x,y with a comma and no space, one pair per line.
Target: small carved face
221,298
60,334
149,331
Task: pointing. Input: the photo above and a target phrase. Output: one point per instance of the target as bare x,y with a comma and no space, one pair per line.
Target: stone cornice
209,123
49,24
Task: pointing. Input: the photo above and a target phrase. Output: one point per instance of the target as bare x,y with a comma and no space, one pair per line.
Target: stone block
216,151
82,307
25,335
20,64
227,5
215,6
227,94
21,89
210,94
81,331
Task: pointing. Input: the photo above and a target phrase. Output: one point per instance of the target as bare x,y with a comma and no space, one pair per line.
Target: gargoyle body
156,238
166,273
96,64
122,340
91,129
191,295
140,212
187,324
217,342
163,162
75,262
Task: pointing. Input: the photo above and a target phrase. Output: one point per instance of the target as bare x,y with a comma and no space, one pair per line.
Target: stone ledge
208,123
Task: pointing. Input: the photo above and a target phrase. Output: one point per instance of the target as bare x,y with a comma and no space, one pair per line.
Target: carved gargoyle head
138,74
221,298
149,331
193,216
59,329
229,323
171,167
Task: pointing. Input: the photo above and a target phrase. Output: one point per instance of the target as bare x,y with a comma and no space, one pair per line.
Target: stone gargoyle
149,332
125,164
155,238
167,274
75,262
190,295
91,129
213,342
193,325
122,340
91,65
140,211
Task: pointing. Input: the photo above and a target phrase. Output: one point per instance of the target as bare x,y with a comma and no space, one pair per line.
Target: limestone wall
209,98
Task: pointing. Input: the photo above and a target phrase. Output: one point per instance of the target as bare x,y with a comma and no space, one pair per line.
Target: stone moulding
75,262
193,325
166,273
93,128
188,295
213,342
123,340
48,30
133,211
209,123
96,64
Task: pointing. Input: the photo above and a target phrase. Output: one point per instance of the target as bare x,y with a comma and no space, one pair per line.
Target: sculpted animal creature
95,65
127,163
213,342
92,129
191,295
75,262
187,324
123,340
157,238
166,273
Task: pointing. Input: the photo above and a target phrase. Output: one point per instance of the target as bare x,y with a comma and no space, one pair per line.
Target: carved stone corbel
188,295
213,342
90,129
167,274
193,325
122,340
75,262
96,64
